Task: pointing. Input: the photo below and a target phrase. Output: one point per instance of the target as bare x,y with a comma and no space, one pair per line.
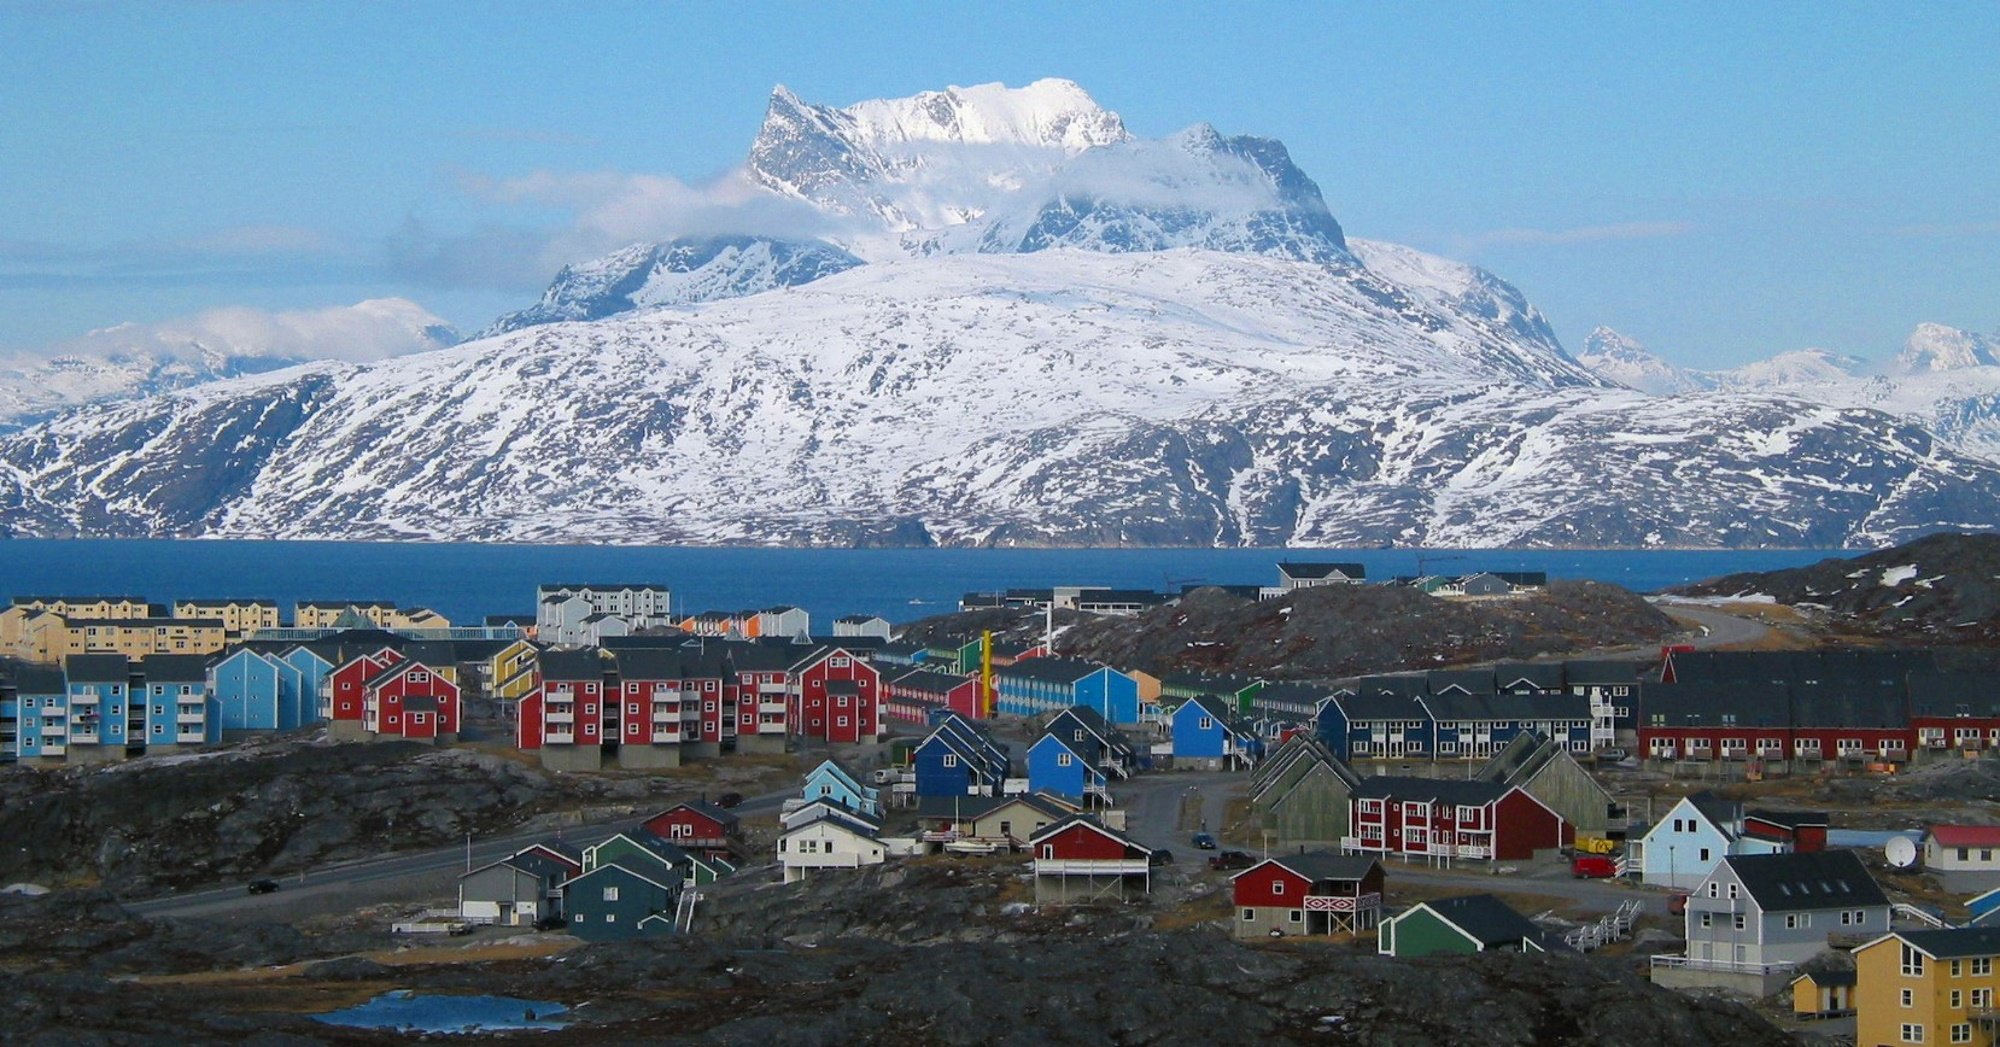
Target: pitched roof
1955,942
1966,835
1788,819
174,668
1056,670
1806,880
1487,919
1323,865
1310,570
97,668
835,815
1595,671
727,819
1955,694
586,664
1090,822
1455,791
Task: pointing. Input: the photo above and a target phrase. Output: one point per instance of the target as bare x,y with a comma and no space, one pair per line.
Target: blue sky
1721,181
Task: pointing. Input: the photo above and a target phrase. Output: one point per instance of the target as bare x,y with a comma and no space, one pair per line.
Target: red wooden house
573,699
697,825
1851,720
528,722
836,695
1080,859
1956,711
1800,831
1441,819
913,695
1318,892
346,685
755,695
411,700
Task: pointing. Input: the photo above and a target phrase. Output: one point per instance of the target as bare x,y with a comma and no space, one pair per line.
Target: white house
1964,857
1758,916
1683,847
861,625
829,841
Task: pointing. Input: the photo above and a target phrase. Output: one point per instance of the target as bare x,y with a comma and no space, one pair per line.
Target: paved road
1719,629
1153,802
406,877
1593,895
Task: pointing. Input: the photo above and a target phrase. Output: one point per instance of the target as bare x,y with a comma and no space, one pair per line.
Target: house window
1909,997
837,661
1278,888
158,729
1298,916
1913,1033
420,677
1982,966
1733,889
1707,920
611,894
1739,921
1206,724
632,709
1249,914
840,721
1076,736
1794,921
1704,857
1913,962
1957,996
951,759
1961,1033
1064,759
1957,969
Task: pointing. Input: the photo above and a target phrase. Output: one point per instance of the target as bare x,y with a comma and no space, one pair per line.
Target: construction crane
1423,559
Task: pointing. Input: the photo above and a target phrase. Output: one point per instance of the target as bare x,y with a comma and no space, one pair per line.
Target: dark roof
1828,978
1470,793
1788,819
857,619
537,864
726,819
1327,865
1723,813
1093,822
930,681
1806,880
1296,569
1887,667
1848,703
1536,578
1542,676
174,668
510,619
1059,670
1714,705
1956,942
1471,681
97,668
1601,672
1379,707
1487,919
1955,694
585,664
39,679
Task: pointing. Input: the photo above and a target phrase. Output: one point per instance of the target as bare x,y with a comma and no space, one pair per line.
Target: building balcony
558,737
84,698
190,736
54,750
666,736
1721,966
187,718
771,707
1091,867
80,738
552,716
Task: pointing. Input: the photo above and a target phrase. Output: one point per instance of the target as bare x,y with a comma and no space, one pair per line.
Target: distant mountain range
1001,319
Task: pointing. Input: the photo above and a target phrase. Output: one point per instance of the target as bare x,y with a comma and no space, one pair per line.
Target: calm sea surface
467,581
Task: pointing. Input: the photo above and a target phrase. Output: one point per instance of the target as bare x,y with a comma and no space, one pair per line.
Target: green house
612,903
645,854
1239,691
1468,924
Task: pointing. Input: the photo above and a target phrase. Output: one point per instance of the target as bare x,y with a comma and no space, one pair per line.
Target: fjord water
466,581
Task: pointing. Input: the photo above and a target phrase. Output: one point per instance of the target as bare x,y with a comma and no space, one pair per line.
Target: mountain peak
1936,347
1624,360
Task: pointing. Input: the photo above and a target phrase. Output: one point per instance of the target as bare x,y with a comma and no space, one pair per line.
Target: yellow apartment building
1927,987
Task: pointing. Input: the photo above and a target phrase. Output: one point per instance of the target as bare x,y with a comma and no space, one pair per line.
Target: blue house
313,665
1480,725
1057,768
613,903
247,690
173,690
1106,747
41,699
1208,736
99,688
958,759
1040,685
831,781
1377,718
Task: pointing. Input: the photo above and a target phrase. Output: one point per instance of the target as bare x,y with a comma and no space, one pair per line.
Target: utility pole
468,852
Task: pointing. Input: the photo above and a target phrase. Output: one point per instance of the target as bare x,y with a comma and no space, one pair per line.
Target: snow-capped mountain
1944,379
1040,331
1630,364
135,360
679,272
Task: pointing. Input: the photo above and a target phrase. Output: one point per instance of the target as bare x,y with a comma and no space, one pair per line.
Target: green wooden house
1468,924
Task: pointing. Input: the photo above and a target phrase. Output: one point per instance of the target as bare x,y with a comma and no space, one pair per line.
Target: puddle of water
406,1011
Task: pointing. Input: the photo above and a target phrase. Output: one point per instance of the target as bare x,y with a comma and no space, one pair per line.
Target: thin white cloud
1578,235
370,330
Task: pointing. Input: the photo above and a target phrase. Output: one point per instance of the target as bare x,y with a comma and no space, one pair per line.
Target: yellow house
27,614
138,637
1823,994
239,618
511,670
1927,987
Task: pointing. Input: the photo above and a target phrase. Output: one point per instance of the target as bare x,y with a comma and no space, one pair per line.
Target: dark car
729,799
1232,860
1161,857
261,886
1203,842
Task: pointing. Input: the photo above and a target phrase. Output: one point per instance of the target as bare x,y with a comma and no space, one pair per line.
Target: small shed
1823,994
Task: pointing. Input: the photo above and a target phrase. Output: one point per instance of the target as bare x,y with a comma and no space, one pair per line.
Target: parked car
1162,857
1612,754
261,886
729,799
1232,860
1203,842
1594,866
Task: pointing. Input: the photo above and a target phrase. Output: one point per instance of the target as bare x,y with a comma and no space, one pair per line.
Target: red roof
1966,835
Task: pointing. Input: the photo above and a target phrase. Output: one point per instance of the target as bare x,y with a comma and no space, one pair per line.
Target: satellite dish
1901,852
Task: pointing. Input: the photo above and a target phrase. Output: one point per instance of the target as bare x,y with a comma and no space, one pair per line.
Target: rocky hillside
271,807
1941,589
1335,630
1046,976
